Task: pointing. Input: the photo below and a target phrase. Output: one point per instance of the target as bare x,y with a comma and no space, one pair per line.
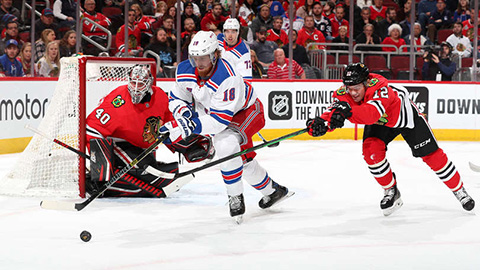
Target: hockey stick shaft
251,149
80,153
79,206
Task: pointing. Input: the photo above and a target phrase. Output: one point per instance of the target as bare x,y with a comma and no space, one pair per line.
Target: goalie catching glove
316,127
340,111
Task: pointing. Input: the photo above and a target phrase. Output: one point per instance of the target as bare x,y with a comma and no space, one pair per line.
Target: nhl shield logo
280,105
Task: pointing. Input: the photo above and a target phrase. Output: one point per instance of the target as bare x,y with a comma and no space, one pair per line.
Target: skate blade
289,194
395,207
238,219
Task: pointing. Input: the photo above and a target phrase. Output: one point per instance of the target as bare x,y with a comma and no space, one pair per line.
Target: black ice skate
391,201
467,202
237,207
280,194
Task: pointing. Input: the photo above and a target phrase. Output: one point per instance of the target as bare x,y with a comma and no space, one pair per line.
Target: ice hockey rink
332,222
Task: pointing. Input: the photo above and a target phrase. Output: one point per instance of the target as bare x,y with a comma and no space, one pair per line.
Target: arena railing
91,41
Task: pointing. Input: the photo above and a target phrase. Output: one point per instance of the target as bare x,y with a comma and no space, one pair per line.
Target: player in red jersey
387,112
120,128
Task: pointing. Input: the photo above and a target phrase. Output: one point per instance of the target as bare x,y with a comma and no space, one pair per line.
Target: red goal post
47,169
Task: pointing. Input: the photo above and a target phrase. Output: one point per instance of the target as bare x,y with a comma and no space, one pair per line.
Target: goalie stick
63,205
174,186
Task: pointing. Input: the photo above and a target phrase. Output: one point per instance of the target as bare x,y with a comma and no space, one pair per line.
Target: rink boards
452,109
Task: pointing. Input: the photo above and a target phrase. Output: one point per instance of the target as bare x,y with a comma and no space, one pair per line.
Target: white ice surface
332,222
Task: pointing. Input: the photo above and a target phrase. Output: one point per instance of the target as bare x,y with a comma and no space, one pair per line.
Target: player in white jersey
210,98
234,49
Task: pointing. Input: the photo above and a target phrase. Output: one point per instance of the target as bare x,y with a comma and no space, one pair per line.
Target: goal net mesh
45,168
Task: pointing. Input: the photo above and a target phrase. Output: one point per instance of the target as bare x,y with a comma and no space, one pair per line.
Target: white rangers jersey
238,56
216,100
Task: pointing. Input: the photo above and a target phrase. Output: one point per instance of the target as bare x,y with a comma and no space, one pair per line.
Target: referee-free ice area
333,221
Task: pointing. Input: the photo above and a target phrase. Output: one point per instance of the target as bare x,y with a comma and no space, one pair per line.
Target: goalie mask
139,83
203,43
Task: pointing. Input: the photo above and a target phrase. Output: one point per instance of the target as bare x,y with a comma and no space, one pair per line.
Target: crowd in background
265,27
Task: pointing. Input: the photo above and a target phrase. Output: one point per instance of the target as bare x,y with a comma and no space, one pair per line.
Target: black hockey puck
85,236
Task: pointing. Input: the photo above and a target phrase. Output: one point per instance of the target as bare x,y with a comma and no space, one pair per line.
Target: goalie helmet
139,83
355,73
203,43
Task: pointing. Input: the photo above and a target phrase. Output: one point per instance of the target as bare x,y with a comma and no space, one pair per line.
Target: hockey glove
183,110
341,111
179,129
316,127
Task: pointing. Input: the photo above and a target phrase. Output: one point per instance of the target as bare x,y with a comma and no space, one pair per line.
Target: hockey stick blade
474,167
58,205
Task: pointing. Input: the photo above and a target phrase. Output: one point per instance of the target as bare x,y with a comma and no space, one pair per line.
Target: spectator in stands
172,12
159,45
134,36
187,36
205,6
468,26
263,19
247,11
321,22
276,8
6,7
309,34
420,40
461,44
438,67
405,24
346,8
48,35
213,19
306,9
364,3
441,18
394,38
299,53
368,37
363,20
328,9
462,13
92,30
171,32
263,47
403,11
65,11
341,38
188,13
25,58
67,45
276,34
11,32
257,69
49,64
10,66
161,9
195,7
339,20
279,68
147,6
144,24
378,11
4,19
383,25
424,11
46,21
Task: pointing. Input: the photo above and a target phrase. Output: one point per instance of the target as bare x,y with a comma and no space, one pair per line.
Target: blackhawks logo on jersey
118,101
341,91
383,120
372,82
150,128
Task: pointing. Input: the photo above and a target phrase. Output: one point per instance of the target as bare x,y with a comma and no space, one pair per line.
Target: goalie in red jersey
387,112
121,127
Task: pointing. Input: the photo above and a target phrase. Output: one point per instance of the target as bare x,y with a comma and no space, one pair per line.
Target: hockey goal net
46,168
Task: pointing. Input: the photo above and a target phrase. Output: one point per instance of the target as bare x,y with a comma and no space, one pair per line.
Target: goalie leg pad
101,163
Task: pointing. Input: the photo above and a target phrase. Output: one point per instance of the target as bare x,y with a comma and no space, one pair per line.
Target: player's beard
204,71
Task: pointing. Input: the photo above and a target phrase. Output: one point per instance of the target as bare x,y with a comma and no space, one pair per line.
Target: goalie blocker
148,177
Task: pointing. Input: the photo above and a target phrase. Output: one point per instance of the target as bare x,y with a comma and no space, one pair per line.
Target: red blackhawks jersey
119,119
382,105
89,29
